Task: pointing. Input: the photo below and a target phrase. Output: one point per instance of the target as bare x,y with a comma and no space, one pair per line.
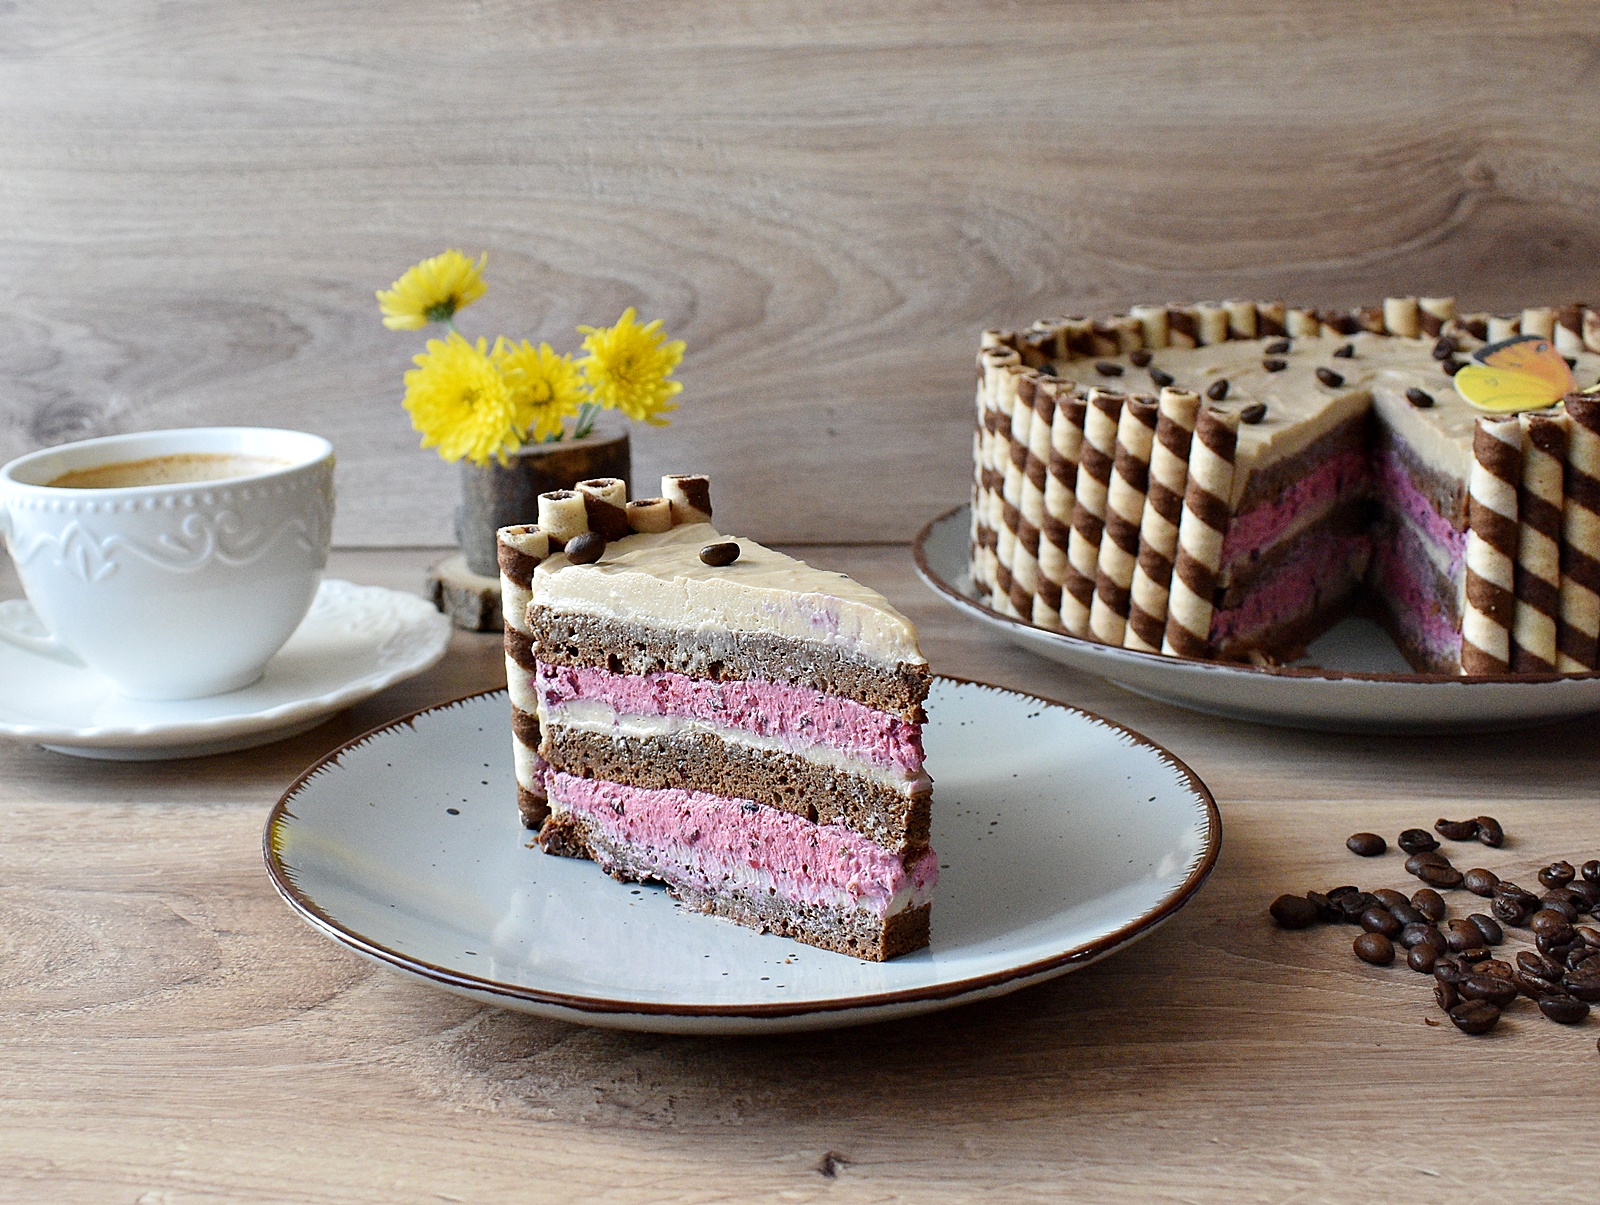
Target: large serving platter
1351,680
1062,838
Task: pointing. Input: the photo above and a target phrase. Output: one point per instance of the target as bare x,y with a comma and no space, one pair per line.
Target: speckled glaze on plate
1064,837
1353,679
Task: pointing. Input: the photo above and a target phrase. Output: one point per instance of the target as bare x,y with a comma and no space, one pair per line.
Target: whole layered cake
700,711
1229,480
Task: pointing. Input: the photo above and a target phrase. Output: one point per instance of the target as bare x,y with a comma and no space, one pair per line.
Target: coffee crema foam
178,469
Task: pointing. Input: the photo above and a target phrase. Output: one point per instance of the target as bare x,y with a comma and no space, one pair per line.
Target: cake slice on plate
704,712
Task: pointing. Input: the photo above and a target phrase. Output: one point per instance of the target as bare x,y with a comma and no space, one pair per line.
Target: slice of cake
1230,480
704,712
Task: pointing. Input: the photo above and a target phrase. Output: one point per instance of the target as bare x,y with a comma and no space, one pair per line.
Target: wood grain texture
174,1034
826,201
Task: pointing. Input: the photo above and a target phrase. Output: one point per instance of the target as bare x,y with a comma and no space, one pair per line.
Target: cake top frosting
658,579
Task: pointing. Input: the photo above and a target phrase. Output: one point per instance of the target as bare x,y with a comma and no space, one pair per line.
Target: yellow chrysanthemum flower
461,403
629,368
432,291
547,385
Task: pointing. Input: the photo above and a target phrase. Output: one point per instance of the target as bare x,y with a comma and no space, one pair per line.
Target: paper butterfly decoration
1524,372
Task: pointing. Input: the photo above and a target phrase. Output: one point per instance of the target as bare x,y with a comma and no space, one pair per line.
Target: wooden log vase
466,586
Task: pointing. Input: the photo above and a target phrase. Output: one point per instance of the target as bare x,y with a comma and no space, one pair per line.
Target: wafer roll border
1578,629
1492,533
1538,573
1206,512
1158,525
1119,541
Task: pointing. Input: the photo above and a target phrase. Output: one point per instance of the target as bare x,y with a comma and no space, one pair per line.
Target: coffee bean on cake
1163,379
1366,845
1218,389
717,555
1140,358
586,548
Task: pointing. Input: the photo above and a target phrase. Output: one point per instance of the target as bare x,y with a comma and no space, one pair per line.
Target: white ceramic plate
354,642
1063,837
1352,680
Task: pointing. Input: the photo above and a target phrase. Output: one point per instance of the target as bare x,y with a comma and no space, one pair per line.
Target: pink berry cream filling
714,844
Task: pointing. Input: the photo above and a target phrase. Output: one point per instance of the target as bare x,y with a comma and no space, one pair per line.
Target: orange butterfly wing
1529,354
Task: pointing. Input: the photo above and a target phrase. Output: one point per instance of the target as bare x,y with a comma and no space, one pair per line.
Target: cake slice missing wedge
735,724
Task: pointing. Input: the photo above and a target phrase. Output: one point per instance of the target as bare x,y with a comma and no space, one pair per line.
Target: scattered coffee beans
1491,933
1374,948
1480,881
1428,902
1427,857
1474,1016
1435,875
1293,912
1417,840
1378,920
1456,830
1557,874
1420,958
1370,845
1490,832
1564,1010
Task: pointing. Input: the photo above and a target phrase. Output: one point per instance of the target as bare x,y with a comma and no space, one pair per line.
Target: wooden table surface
172,1033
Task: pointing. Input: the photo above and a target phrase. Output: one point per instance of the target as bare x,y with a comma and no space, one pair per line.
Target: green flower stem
585,423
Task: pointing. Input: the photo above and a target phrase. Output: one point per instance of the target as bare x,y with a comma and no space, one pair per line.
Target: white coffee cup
171,589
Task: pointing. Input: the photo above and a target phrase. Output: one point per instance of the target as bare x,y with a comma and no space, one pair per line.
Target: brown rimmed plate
1062,838
1353,679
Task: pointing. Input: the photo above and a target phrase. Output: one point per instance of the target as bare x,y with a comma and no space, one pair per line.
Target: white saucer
355,641
1062,838
1353,679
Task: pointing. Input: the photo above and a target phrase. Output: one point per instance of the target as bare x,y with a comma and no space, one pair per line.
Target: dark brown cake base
856,933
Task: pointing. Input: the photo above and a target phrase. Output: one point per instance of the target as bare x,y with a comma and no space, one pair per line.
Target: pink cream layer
1254,531
1402,495
1410,584
711,843
1297,587
795,715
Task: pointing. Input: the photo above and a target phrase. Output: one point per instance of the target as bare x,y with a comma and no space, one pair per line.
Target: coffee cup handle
19,625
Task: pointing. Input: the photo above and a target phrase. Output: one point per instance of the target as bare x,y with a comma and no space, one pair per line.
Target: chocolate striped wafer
1539,320
1578,635
1569,330
989,469
1119,543
519,550
1492,530
1095,460
1591,329
1060,486
1207,507
1025,556
1158,526
1401,317
1016,399
1213,320
1433,313
1503,326
1538,573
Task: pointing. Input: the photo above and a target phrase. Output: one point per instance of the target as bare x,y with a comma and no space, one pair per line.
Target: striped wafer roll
1076,339
1569,330
1020,419
1433,313
992,338
1271,319
1369,318
989,464
1183,326
519,551
1095,460
604,500
1578,636
1539,320
649,515
1153,322
1337,324
690,497
1031,435
1119,543
1129,332
1213,323
563,515
1400,317
1502,327
1158,526
1242,322
1303,324
1207,507
1060,486
1491,546
1591,329
1538,573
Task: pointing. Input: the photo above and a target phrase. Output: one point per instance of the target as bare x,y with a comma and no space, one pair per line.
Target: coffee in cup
180,468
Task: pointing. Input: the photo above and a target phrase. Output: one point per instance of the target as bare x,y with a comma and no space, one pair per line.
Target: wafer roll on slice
1183,326
1119,543
1578,637
519,550
1153,322
1591,329
1569,330
1242,319
1502,326
563,514
989,466
1158,525
1207,508
649,516
1492,531
1061,480
1433,313
1095,461
1401,317
1271,319
1538,573
1213,323
1303,324
689,495
1539,320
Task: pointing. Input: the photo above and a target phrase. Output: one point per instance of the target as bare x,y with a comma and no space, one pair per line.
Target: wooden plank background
827,201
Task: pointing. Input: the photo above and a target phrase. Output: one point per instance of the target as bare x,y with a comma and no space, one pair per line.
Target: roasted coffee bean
1580,955
1337,893
1508,889
1564,1010
1583,983
1473,954
1490,832
1369,845
1423,935
1509,910
1352,906
1587,893
1462,935
586,549
1440,876
718,555
1456,830
1448,970
1347,352
1416,840
1421,958
1374,948
1548,922
1406,914
1444,348
1587,934
1555,945
1326,909
1446,994
1276,348
1274,365
1255,411
1560,901
1378,920
1162,379
1557,874
1329,378
1420,398
1537,964
1388,897
1480,881
1293,912
1474,1016
1497,991
1451,367
1428,902
1537,987
1591,870
1108,368
1139,358
1427,857
1492,934
1499,968
1218,389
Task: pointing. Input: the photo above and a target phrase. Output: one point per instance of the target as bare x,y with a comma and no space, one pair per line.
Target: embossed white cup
171,591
